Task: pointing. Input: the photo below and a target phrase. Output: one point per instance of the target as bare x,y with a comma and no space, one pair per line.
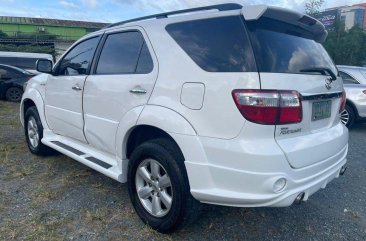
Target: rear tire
183,208
14,94
348,116
33,130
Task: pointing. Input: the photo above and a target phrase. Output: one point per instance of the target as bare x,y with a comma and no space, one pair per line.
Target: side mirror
44,66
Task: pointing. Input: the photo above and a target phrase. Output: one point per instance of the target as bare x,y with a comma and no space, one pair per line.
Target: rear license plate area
321,110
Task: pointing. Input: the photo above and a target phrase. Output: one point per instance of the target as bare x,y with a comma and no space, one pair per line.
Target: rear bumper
264,196
242,172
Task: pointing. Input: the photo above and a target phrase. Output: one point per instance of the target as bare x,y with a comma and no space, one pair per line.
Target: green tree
313,6
29,48
347,47
3,35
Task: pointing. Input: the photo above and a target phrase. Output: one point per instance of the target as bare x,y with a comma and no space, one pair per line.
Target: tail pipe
299,198
343,170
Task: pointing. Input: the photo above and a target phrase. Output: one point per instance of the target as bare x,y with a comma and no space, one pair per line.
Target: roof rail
220,7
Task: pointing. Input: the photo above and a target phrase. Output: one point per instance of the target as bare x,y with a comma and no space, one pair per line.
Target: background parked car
354,79
21,60
12,80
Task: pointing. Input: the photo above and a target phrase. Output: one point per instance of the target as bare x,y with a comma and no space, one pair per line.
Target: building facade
349,16
57,33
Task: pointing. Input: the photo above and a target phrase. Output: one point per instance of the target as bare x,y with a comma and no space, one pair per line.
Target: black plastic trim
69,148
322,96
99,162
220,7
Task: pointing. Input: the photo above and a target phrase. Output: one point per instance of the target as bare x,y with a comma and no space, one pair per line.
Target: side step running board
88,156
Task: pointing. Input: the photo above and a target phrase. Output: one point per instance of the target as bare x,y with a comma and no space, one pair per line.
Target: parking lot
56,198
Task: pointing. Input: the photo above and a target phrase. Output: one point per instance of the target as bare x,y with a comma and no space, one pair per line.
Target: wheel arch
33,98
353,106
153,119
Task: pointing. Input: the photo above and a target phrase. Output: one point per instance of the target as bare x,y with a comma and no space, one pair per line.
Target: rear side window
26,63
347,79
125,53
284,48
216,45
8,61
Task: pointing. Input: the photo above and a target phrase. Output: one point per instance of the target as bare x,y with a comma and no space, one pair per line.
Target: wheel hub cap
33,135
154,188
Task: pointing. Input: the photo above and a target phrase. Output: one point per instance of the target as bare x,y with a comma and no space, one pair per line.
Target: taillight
343,102
269,107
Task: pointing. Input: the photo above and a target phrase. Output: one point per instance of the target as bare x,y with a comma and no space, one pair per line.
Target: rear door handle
138,91
77,88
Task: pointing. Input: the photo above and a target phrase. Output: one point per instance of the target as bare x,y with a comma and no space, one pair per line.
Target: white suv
228,105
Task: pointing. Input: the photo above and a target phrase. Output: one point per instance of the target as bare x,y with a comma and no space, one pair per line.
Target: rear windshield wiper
321,70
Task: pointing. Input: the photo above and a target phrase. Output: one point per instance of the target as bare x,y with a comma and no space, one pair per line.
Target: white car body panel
101,123
64,110
229,161
354,92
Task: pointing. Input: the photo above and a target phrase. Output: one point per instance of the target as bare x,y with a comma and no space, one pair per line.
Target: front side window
216,45
125,53
78,60
347,79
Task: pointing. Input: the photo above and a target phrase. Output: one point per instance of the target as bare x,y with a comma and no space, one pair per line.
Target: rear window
216,45
284,48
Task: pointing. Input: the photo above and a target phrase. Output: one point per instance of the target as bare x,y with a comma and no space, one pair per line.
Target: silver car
354,79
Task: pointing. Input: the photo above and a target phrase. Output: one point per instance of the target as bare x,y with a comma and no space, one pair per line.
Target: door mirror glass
44,66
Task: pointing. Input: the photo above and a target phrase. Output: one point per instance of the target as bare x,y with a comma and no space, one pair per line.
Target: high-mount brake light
269,107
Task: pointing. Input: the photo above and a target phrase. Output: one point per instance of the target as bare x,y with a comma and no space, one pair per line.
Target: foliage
347,47
30,48
3,35
313,6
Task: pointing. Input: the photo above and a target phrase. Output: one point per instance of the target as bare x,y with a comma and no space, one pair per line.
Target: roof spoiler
315,27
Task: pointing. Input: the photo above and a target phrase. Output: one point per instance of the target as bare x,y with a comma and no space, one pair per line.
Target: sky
117,10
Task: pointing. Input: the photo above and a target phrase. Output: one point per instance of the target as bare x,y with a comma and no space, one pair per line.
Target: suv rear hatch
289,57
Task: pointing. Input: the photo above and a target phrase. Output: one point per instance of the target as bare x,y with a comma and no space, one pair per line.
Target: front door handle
77,88
138,91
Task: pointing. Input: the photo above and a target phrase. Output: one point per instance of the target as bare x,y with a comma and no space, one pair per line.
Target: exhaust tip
299,198
343,170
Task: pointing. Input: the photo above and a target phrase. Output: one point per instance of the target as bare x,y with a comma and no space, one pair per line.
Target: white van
22,60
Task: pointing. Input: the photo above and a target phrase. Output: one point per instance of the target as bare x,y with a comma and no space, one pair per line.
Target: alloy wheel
14,94
33,134
344,117
154,187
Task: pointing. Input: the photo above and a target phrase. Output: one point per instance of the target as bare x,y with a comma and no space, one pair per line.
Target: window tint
8,73
347,79
26,63
78,60
216,45
3,73
145,64
121,53
284,48
8,61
